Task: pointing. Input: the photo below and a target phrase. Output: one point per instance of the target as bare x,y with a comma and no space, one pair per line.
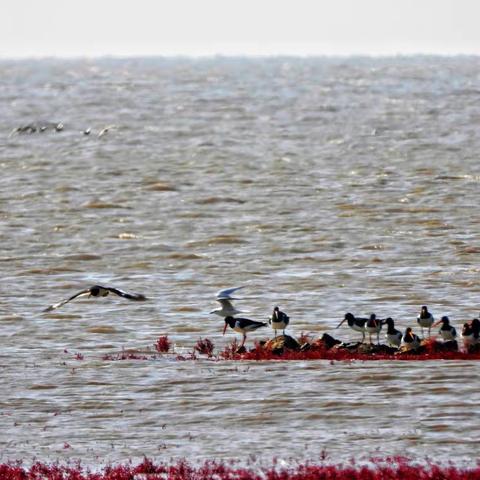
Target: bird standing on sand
373,325
279,320
98,291
425,320
393,336
357,324
224,297
242,325
447,331
410,341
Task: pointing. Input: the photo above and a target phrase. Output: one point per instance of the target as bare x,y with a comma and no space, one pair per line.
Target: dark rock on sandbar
278,344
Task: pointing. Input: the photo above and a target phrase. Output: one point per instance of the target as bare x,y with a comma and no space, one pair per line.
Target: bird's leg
363,337
243,341
275,333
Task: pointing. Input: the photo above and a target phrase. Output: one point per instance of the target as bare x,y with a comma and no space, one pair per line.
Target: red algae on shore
163,344
376,469
318,350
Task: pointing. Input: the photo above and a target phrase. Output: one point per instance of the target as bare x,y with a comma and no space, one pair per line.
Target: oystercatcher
410,341
447,331
242,325
373,325
279,320
357,324
425,320
98,291
393,336
471,333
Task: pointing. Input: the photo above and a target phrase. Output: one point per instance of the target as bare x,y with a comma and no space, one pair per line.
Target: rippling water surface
324,185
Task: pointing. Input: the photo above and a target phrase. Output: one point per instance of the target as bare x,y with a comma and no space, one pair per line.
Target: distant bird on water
279,320
425,320
98,291
357,324
224,297
242,325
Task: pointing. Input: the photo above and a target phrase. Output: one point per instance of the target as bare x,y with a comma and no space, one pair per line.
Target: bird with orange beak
242,325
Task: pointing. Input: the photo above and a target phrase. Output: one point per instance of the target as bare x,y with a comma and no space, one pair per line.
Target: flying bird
224,297
98,291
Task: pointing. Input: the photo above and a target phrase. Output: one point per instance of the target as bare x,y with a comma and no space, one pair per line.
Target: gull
225,299
105,130
227,292
98,291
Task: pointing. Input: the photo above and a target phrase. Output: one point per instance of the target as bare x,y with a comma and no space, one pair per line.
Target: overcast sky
231,27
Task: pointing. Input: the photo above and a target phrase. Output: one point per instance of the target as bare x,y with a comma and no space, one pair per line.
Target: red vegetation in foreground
383,469
317,350
205,346
163,344
432,351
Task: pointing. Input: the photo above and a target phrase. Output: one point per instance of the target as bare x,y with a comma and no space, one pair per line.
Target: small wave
213,200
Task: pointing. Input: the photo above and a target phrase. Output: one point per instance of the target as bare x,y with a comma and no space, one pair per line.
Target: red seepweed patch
432,350
204,346
391,468
163,344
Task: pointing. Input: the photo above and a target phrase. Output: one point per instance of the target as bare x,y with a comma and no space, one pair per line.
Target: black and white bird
373,325
224,297
393,336
242,325
357,324
471,333
410,341
447,331
98,291
279,320
425,320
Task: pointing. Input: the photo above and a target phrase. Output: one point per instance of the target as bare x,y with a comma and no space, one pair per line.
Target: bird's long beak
340,323
437,323
224,328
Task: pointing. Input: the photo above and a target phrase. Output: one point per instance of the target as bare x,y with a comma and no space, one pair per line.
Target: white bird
224,297
105,130
227,293
98,291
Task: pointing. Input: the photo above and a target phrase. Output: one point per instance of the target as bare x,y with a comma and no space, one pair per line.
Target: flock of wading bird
279,320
